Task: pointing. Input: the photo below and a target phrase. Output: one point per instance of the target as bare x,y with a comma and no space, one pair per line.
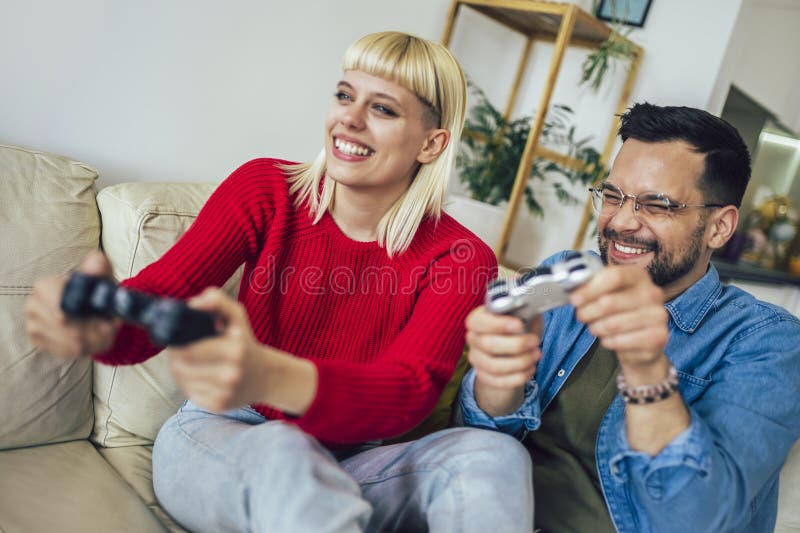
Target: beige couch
76,437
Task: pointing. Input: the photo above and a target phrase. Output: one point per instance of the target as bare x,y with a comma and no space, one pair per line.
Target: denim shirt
738,361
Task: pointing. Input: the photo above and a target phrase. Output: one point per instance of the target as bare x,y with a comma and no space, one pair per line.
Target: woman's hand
50,330
228,370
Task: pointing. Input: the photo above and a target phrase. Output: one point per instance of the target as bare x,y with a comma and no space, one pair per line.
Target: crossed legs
239,472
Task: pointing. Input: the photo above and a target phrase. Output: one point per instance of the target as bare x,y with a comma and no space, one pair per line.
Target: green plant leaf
492,147
617,49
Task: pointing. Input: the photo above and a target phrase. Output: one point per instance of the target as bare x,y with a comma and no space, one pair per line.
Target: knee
484,470
488,454
282,451
282,440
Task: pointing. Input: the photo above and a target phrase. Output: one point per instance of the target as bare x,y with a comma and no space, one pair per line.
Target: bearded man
659,399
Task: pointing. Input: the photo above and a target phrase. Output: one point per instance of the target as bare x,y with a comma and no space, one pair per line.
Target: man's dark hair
727,161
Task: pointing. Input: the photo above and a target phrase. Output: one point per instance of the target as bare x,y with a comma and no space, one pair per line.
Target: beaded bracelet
648,393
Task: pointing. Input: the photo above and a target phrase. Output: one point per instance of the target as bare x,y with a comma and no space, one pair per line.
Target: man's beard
666,266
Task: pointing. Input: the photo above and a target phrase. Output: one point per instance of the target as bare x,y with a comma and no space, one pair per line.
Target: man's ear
435,142
721,226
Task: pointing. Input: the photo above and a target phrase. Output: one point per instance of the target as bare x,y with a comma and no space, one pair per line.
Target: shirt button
561,373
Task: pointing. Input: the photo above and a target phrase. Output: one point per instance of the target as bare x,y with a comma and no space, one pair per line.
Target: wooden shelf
566,25
541,19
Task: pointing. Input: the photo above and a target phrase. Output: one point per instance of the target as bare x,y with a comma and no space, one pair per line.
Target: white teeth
629,250
350,148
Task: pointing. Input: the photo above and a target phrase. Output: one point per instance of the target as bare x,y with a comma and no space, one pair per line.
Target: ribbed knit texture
385,333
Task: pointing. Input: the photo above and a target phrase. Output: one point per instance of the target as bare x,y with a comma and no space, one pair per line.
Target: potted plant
491,150
617,49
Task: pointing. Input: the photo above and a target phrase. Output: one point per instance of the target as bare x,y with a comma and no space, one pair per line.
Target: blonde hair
431,72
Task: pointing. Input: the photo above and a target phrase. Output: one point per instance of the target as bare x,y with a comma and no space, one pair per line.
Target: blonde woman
348,326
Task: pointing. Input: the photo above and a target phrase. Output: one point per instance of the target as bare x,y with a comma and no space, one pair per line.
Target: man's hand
234,369
504,357
625,310
52,331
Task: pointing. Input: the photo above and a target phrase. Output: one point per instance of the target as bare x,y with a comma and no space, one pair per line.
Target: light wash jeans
239,472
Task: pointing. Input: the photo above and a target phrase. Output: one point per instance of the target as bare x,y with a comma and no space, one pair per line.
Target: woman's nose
353,117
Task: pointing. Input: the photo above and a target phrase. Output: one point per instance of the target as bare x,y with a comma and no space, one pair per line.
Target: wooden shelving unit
566,25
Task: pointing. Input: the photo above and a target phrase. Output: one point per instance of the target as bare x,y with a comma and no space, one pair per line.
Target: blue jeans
239,472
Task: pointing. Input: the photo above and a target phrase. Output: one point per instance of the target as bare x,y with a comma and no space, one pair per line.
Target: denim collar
692,305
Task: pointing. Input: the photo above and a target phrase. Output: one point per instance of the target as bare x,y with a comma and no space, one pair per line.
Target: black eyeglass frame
669,203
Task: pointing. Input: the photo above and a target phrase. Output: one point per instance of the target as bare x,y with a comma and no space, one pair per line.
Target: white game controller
542,288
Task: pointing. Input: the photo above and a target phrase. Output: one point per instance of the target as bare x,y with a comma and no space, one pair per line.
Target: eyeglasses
607,199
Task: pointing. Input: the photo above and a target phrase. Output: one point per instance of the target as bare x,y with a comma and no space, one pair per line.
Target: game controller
169,322
541,288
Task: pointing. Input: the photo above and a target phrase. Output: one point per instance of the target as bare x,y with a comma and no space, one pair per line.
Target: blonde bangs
400,58
430,71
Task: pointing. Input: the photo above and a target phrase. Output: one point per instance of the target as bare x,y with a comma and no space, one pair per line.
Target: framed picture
630,12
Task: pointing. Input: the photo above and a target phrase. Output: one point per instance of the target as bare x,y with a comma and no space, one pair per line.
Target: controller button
535,272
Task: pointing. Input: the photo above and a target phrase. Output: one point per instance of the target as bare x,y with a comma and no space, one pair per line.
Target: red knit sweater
385,333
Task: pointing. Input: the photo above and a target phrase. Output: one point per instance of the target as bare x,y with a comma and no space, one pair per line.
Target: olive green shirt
565,481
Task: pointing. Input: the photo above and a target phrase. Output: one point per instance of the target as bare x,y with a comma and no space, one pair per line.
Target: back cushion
789,493
48,223
140,222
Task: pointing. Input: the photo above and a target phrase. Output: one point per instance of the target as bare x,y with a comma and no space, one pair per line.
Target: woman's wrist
288,383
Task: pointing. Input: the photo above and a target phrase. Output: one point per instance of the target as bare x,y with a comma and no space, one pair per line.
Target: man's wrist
650,393
649,373
498,401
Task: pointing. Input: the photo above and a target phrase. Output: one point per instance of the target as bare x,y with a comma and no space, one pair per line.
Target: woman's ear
723,224
435,142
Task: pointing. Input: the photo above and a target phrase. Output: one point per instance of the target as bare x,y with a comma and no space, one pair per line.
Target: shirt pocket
691,386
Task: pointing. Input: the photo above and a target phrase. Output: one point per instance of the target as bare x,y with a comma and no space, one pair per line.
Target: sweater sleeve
390,396
228,230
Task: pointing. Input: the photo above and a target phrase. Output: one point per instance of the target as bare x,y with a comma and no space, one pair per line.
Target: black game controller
542,288
170,322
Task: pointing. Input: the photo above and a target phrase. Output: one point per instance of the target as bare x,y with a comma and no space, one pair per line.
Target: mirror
767,235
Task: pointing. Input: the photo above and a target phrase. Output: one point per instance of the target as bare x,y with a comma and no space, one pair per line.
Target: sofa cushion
64,487
133,463
789,494
140,222
48,223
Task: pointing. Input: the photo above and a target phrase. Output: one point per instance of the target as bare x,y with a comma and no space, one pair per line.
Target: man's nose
625,218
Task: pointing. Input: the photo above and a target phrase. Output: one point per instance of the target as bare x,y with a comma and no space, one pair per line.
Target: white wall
188,89
762,59
684,42
184,89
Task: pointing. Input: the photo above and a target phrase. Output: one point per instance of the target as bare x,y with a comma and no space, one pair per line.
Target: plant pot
533,238
482,219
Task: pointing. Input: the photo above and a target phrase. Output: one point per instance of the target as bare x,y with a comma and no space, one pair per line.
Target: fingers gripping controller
168,321
542,288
